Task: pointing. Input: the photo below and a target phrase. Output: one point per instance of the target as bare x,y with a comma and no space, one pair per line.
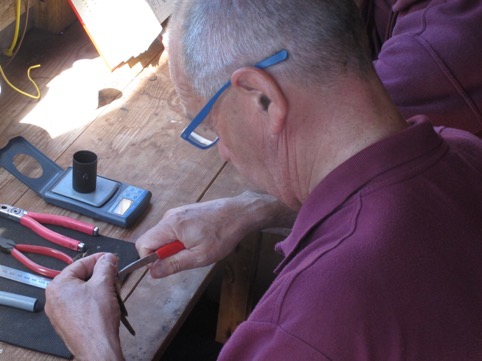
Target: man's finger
80,269
174,264
105,266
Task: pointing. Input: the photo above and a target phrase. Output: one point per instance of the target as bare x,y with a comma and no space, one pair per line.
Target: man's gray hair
324,38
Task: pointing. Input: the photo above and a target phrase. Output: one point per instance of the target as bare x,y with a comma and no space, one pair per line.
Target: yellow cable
28,75
9,51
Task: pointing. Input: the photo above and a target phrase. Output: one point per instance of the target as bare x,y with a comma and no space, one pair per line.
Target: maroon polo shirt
384,260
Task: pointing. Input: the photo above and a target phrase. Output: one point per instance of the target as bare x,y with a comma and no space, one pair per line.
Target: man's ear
265,93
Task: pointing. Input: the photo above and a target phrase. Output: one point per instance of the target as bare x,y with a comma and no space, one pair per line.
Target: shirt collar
349,177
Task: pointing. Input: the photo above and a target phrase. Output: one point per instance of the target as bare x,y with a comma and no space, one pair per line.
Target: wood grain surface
136,138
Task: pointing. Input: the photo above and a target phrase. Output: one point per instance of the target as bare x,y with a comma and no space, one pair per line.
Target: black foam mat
33,330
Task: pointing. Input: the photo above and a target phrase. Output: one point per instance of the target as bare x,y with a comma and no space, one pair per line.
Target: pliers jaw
12,213
6,245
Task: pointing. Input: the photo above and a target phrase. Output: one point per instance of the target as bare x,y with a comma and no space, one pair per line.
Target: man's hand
86,313
210,230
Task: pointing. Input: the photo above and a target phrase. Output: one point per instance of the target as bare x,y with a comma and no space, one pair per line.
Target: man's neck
345,120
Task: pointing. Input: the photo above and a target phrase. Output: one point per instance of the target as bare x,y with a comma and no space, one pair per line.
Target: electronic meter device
112,201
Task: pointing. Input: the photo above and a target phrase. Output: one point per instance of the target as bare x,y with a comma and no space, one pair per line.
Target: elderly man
424,52
383,260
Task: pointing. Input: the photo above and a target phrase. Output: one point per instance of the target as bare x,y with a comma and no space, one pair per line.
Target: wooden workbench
136,138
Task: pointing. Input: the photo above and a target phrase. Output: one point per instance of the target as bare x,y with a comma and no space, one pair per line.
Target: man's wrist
263,211
106,349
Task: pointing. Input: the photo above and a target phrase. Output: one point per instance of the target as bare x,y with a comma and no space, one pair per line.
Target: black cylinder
84,171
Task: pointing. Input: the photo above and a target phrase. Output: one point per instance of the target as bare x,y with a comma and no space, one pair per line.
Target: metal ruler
24,277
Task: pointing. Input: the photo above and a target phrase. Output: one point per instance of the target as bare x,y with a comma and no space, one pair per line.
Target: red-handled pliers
32,220
10,247
168,250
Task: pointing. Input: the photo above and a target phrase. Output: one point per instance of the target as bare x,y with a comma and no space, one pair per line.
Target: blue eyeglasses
205,140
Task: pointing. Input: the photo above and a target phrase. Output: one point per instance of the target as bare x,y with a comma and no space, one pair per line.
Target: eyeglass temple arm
272,60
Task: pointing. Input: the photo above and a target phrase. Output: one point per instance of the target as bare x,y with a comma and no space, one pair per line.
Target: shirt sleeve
428,64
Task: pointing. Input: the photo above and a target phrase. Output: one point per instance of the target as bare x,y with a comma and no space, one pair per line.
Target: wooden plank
269,259
145,126
54,15
70,78
137,140
228,183
248,271
167,310
8,11
19,114
237,289
240,268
